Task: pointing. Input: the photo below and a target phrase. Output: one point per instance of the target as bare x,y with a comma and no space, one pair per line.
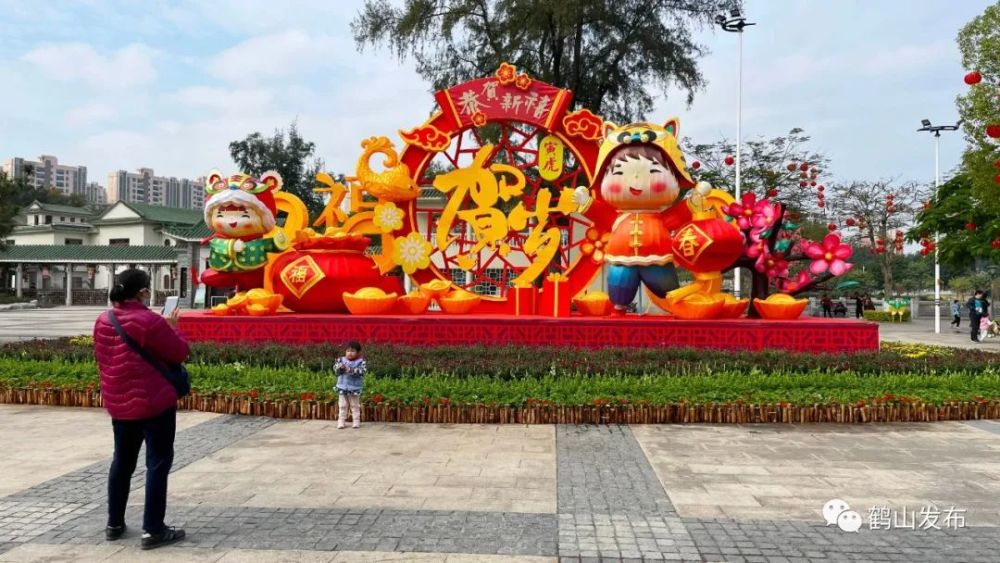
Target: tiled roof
85,254
54,208
172,215
196,232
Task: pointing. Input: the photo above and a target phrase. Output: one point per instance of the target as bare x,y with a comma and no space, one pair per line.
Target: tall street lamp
936,129
734,21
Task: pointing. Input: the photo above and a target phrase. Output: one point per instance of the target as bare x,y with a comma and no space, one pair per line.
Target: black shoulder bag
176,374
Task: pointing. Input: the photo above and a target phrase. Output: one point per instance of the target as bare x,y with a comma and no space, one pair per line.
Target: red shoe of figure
242,281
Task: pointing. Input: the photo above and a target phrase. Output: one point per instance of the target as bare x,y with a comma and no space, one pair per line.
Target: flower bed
901,383
886,316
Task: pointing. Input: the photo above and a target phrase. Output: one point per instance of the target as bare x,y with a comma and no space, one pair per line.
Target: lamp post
936,130
734,21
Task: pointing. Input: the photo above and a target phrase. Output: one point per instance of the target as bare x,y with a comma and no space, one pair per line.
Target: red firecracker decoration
729,160
993,130
973,78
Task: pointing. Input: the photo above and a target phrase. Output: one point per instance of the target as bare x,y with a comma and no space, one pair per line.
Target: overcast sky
168,84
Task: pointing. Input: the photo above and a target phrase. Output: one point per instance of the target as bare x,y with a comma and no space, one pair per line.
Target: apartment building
46,172
143,186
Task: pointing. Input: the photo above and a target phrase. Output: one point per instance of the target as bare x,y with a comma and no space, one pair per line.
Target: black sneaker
112,533
168,536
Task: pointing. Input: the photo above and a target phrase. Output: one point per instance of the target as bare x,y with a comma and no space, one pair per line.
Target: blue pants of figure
623,282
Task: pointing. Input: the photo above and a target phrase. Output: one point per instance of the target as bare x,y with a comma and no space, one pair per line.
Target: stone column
69,284
152,285
19,281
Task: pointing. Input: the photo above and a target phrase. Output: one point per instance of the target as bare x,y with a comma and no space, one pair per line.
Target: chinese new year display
506,217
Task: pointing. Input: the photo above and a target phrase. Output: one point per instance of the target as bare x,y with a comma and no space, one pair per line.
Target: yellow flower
388,217
594,245
412,253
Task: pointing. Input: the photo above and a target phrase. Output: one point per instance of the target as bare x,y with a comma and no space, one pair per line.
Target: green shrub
886,316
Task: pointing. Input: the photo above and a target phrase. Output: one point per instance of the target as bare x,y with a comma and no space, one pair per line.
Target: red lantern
996,164
821,205
813,183
970,226
804,167
729,160
314,275
791,167
707,244
695,165
802,184
832,227
996,179
772,193
993,130
924,252
973,78
821,188
850,221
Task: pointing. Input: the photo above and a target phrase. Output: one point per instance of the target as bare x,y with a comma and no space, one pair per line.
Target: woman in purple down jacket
141,401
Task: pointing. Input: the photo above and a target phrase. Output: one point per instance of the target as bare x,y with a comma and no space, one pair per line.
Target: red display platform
808,334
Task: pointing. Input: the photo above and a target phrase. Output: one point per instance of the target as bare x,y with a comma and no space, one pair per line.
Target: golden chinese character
298,274
688,242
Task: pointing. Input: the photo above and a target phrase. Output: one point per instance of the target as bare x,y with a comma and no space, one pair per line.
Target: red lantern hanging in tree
970,226
993,130
804,167
729,160
850,221
695,165
972,78
791,167
772,193
831,227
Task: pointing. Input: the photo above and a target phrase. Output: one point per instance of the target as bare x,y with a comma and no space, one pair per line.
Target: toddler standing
350,370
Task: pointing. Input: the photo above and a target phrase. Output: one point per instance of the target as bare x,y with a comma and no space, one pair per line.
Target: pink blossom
800,280
831,254
775,265
757,248
743,212
763,215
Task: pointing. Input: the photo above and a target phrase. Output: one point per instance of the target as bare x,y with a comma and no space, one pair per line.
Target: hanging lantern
695,165
850,221
772,193
804,167
729,160
973,78
831,227
993,130
791,167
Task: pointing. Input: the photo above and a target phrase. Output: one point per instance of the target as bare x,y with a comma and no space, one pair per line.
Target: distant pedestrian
956,314
978,307
827,305
350,370
142,402
859,306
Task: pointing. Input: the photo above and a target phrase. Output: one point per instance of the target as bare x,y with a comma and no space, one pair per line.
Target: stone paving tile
23,521
311,464
775,540
782,472
337,529
89,484
611,504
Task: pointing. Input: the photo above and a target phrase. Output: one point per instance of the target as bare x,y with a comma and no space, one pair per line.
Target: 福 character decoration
241,210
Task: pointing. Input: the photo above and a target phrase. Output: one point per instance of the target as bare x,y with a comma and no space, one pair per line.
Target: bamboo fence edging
715,413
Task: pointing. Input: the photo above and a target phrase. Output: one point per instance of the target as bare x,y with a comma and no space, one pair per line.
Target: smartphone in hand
171,305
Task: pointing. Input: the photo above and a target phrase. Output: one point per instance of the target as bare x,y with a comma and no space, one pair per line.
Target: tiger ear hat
663,137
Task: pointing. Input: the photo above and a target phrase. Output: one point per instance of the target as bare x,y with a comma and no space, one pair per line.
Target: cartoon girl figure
241,210
641,173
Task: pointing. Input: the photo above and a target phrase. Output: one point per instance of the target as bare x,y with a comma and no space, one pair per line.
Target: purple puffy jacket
131,388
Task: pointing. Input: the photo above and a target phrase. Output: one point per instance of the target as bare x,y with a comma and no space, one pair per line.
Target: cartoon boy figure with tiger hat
241,210
642,174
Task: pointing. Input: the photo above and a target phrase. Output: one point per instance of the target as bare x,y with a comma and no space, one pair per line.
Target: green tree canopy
964,221
979,42
615,56
291,157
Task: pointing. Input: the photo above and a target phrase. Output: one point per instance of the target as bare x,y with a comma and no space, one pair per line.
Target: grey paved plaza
252,489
